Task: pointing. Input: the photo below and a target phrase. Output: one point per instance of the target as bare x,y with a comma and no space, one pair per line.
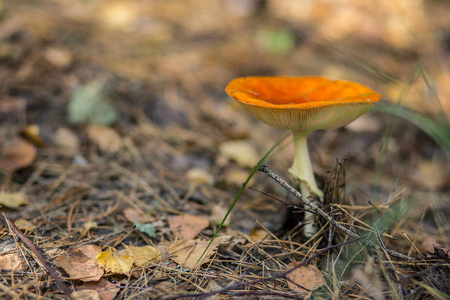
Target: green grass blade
275,149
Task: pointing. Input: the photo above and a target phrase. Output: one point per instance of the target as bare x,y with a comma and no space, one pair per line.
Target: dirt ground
120,151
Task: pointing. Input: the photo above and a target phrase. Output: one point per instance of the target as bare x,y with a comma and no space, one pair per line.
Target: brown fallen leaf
17,155
106,138
13,199
304,277
134,215
186,227
66,141
103,288
85,294
11,261
187,253
218,211
80,263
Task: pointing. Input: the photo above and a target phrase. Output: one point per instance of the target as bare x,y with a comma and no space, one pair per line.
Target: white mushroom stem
302,171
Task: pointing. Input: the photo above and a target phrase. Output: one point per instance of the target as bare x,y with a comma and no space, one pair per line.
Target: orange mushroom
302,104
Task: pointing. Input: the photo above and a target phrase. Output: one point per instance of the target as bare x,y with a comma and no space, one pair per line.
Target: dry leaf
114,262
213,286
67,141
134,215
186,227
238,177
306,276
106,138
24,224
187,253
241,152
58,57
17,155
11,261
431,175
122,262
257,234
33,134
143,255
199,176
103,288
217,213
13,199
80,263
85,294
90,225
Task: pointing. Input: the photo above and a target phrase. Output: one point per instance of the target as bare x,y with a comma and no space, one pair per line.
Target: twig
39,256
321,212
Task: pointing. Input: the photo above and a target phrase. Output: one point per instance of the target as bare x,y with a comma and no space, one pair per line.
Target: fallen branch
321,212
40,257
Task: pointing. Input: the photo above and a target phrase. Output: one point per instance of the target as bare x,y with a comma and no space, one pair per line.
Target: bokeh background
158,69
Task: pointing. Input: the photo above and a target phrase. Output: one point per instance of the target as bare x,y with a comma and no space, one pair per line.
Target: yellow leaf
13,199
241,152
90,225
114,262
143,255
199,176
24,224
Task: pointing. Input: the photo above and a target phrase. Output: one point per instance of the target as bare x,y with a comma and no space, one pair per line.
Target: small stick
39,256
321,212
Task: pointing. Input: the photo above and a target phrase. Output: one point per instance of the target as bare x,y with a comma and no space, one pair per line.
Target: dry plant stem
38,255
321,212
302,171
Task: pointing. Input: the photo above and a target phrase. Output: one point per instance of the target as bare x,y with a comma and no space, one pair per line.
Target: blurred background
157,71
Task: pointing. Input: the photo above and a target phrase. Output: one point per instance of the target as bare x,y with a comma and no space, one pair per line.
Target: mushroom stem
302,171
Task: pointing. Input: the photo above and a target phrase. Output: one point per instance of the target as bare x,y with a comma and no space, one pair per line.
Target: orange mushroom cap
302,103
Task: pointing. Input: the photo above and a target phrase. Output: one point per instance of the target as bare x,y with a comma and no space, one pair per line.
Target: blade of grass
437,130
275,149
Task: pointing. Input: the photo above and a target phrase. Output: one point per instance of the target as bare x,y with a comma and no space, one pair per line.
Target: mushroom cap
302,103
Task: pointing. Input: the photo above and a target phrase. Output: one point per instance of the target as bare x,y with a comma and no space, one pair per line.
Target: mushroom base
302,171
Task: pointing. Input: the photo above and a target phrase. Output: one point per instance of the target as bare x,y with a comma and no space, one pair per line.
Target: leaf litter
134,133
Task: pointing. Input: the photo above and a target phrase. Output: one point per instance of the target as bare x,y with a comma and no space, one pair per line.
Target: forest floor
120,152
